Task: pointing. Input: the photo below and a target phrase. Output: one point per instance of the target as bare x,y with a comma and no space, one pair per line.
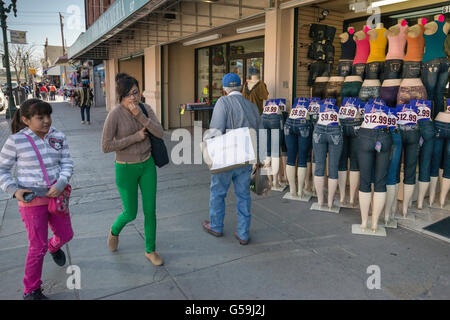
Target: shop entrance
241,64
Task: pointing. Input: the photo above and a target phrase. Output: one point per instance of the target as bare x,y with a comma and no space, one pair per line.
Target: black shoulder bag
159,150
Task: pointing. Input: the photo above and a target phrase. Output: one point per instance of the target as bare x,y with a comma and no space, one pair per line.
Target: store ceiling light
204,39
251,28
385,2
298,3
418,14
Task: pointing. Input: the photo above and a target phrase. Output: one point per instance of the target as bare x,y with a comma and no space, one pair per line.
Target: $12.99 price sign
375,120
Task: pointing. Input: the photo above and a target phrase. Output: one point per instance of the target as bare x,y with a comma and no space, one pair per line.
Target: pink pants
37,219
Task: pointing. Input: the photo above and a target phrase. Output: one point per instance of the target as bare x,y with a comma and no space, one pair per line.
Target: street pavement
294,252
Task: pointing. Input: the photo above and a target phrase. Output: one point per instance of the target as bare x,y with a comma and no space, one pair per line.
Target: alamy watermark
74,280
374,280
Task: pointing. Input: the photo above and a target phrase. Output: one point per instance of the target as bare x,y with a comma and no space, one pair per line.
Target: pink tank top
397,45
362,49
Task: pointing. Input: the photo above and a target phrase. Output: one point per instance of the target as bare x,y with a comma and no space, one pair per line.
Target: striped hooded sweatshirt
55,155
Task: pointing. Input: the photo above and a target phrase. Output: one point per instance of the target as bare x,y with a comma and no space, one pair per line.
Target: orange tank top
378,47
415,49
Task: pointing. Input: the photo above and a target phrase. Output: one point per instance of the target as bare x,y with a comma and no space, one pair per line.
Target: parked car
3,101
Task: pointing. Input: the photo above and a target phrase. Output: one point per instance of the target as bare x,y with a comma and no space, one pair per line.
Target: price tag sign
328,116
406,117
299,112
282,106
448,105
271,109
375,117
314,107
392,120
423,112
348,111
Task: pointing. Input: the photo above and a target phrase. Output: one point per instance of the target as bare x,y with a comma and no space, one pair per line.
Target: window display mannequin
375,142
396,36
377,56
362,52
255,90
273,122
351,87
319,87
441,152
333,89
313,112
350,120
370,89
414,50
327,139
298,131
348,50
435,64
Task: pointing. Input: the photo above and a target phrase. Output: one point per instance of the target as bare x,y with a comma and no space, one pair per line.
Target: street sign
19,37
32,71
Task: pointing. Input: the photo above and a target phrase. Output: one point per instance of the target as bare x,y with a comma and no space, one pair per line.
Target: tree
17,53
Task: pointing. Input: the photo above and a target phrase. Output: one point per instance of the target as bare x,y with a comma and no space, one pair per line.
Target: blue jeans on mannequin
327,139
441,150
435,77
393,176
220,183
297,133
426,150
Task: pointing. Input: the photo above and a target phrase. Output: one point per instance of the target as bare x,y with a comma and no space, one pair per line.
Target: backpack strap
41,162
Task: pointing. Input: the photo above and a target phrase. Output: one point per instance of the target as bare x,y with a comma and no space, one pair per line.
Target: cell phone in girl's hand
28,196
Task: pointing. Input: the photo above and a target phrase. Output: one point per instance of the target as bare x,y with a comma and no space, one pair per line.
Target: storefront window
219,69
247,46
203,73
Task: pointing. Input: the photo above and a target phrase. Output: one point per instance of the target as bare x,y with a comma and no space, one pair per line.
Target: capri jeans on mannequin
426,150
410,141
441,149
273,123
393,176
327,140
298,141
435,77
350,129
369,158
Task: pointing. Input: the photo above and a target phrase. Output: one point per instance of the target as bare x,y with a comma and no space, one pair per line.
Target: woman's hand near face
134,108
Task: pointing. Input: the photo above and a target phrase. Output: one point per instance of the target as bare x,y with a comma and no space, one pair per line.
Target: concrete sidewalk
294,253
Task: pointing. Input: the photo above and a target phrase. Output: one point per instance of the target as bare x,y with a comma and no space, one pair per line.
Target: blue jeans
220,183
435,77
274,124
88,116
327,139
298,141
393,176
441,150
426,151
410,142
350,129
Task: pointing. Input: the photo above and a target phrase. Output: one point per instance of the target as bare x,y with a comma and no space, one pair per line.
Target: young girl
33,119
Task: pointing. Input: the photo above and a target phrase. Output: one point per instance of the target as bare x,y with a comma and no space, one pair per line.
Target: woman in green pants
125,134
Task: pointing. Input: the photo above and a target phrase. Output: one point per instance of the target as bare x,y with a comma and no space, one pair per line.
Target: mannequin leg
391,198
332,186
379,200
423,188
364,204
354,183
445,186
342,181
319,183
308,177
290,171
282,173
313,186
408,190
275,169
301,174
433,184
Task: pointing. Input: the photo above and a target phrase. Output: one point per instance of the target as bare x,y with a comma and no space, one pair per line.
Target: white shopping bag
235,148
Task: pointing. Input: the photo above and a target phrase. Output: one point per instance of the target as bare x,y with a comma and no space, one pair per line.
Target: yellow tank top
378,47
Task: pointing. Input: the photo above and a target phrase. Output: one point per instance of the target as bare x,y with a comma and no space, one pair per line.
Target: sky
40,19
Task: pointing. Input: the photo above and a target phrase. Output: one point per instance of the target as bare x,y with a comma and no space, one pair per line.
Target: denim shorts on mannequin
389,95
273,123
410,142
359,69
441,149
318,69
319,89
392,69
333,91
344,68
298,133
350,89
374,70
366,93
370,160
350,128
327,140
405,94
411,69
426,150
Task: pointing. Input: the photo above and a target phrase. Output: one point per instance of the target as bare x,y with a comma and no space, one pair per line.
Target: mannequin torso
322,79
371,83
392,82
378,43
252,82
353,79
443,117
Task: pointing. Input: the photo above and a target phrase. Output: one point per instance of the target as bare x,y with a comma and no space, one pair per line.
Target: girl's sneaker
35,295
59,257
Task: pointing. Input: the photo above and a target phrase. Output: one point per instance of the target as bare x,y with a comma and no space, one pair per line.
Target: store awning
62,60
53,71
121,32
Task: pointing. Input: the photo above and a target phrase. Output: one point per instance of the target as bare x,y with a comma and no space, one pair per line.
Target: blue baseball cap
231,80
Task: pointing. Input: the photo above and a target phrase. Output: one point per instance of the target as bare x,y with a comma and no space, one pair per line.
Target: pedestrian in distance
124,133
52,92
33,120
44,92
232,111
85,101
